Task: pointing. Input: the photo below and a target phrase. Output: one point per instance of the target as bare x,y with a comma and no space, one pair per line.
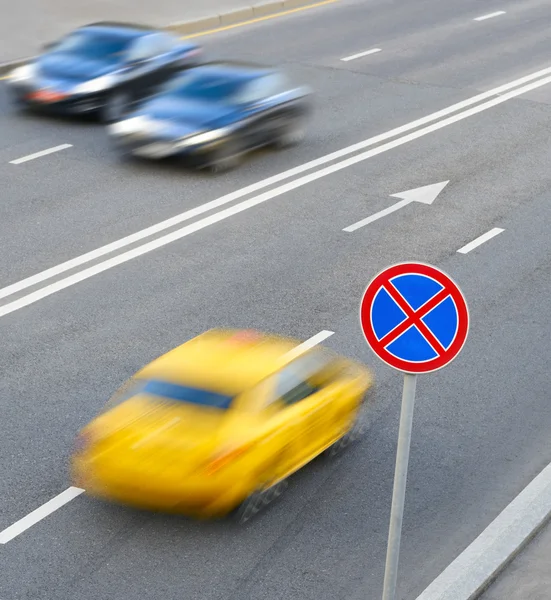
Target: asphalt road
29,24
481,425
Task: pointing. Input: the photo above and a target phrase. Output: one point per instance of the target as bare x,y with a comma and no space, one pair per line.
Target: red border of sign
457,296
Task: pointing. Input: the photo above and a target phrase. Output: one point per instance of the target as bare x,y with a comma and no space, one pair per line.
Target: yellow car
218,424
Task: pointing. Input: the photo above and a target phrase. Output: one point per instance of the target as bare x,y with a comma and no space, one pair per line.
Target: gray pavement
28,24
528,577
351,104
481,426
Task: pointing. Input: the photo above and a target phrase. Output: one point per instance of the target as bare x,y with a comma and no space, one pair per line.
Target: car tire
354,434
258,501
21,109
18,104
115,107
227,158
249,508
263,496
291,134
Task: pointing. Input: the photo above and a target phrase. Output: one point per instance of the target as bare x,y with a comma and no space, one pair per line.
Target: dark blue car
213,114
100,68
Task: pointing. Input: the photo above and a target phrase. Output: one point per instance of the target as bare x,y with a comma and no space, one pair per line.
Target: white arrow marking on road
426,195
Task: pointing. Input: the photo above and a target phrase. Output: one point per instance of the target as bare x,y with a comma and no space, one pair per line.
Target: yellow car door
277,430
307,406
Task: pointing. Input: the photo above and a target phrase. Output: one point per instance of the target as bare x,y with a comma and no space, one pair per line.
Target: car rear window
187,395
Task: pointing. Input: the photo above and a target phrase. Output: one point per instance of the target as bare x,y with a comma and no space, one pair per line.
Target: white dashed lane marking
361,54
480,240
38,514
490,16
29,157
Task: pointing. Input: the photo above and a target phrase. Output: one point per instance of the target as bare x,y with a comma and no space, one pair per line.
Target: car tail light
245,336
224,458
47,96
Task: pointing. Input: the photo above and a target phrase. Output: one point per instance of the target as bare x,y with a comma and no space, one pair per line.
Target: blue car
100,68
213,114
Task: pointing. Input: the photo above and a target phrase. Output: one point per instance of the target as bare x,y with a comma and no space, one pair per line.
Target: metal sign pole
388,333
399,493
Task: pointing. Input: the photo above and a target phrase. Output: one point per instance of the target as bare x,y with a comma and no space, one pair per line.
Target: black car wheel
291,134
258,501
17,102
115,107
271,488
226,158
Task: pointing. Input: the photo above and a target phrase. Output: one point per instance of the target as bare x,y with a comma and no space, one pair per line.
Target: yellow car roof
227,361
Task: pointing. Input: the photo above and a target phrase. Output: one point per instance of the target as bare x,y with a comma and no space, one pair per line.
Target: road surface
282,262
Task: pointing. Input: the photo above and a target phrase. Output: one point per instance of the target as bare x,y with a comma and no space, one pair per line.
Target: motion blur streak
228,198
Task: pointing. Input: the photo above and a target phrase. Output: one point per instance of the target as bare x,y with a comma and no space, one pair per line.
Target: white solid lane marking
25,159
40,513
246,204
476,566
480,240
490,16
194,212
361,54
308,344
188,230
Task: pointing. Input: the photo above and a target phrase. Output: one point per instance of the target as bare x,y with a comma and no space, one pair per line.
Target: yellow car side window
298,380
292,387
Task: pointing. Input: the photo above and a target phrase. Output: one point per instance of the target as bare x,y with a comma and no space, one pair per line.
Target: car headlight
205,137
95,85
133,125
128,126
23,73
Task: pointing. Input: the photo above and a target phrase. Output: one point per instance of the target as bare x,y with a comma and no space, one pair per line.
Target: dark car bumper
159,148
56,102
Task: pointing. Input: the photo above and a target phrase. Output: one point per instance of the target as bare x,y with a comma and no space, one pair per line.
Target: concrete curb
475,569
206,24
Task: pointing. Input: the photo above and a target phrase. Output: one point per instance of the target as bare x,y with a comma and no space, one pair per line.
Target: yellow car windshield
171,392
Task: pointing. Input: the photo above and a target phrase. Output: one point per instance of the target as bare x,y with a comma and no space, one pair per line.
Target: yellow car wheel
249,508
258,501
357,430
351,436
265,494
